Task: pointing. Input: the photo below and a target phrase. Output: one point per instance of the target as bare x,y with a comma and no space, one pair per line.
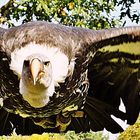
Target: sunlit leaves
89,13
84,13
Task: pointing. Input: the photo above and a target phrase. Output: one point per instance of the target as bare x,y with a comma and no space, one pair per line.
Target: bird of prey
68,78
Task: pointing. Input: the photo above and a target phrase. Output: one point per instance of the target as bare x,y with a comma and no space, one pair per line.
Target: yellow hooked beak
36,67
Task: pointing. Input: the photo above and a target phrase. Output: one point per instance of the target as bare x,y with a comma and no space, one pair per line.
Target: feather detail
37,98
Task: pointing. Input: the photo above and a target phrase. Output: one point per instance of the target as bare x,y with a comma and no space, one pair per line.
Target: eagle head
40,69
36,84
37,71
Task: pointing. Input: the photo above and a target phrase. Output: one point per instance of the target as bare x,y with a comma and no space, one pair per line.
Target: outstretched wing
114,75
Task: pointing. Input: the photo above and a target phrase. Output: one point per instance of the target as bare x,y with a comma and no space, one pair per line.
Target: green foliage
70,135
90,13
132,132
84,13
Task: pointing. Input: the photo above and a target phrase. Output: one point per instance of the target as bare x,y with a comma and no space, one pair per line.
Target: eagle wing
113,75
111,57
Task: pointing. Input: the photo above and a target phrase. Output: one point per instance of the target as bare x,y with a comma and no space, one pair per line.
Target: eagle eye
46,63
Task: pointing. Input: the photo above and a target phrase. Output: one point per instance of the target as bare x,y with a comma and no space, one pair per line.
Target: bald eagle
68,78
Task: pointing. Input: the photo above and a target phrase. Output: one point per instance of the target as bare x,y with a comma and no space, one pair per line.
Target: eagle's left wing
114,75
